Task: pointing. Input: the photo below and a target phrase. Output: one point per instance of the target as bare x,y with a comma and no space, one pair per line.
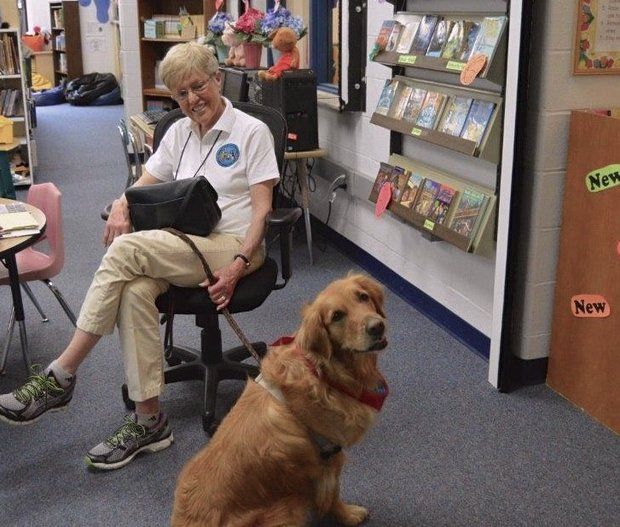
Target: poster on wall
597,43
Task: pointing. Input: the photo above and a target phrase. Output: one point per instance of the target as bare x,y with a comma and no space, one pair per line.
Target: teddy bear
236,55
283,39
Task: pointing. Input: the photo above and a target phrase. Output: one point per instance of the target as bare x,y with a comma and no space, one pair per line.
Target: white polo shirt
242,154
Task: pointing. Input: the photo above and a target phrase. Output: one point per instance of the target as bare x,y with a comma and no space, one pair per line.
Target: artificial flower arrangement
248,26
281,17
215,28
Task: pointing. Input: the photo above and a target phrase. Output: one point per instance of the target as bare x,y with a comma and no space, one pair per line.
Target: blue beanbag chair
49,97
110,98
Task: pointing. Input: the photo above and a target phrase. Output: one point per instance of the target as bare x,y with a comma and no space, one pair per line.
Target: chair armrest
284,220
105,213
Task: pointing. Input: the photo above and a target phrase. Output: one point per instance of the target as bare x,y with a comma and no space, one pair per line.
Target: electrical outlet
338,182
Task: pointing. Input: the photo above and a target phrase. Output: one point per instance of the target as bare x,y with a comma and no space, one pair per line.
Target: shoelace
38,384
129,429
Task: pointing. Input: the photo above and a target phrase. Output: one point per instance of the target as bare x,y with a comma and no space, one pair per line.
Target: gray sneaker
39,394
129,440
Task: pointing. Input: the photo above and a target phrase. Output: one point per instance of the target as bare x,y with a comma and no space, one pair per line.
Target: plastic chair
36,265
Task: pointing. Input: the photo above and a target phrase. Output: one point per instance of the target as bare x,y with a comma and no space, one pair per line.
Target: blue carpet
448,450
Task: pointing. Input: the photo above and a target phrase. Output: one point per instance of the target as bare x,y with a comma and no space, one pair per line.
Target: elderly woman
235,153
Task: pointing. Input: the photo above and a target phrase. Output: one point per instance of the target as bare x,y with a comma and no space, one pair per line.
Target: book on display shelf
440,36
387,97
407,35
471,33
414,105
383,176
398,180
426,198
384,34
488,36
469,212
431,109
424,34
454,116
441,204
477,120
410,193
400,101
394,37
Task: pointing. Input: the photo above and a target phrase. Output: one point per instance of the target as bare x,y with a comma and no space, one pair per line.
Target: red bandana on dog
373,398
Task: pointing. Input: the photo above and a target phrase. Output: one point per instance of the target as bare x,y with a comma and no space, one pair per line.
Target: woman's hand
118,221
227,277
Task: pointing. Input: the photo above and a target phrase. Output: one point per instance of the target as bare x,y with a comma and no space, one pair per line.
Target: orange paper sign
473,67
385,195
590,306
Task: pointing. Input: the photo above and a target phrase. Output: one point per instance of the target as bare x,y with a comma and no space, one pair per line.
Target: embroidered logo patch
227,155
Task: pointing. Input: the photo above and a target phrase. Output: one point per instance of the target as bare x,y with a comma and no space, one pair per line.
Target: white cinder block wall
554,93
462,282
131,80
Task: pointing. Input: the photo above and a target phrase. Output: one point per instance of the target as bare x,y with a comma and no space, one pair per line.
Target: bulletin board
584,362
597,42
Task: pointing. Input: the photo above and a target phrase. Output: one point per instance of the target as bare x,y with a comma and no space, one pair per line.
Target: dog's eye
363,297
337,315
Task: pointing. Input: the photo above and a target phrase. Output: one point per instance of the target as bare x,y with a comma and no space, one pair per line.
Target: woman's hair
186,59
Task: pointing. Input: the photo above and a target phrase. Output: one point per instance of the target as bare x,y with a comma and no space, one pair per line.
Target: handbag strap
212,279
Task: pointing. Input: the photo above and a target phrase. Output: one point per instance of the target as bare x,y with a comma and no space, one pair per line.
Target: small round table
9,247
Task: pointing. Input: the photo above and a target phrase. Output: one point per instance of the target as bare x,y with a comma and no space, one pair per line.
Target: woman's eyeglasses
196,89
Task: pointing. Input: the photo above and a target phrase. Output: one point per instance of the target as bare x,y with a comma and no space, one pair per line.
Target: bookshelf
152,50
18,157
439,72
66,40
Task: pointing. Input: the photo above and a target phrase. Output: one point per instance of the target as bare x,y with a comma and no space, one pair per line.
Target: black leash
212,279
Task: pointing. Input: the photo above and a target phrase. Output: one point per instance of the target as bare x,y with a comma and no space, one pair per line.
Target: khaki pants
135,270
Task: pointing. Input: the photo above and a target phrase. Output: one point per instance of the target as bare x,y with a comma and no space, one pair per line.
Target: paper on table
17,220
18,233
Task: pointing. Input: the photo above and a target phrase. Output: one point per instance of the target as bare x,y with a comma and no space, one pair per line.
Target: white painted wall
555,92
99,42
38,14
130,79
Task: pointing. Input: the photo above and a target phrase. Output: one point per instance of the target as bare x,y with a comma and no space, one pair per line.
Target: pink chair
36,265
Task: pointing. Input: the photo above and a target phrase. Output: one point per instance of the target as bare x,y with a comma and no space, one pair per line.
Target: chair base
190,366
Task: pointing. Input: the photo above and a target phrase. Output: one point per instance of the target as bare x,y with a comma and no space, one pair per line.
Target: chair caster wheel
209,424
129,404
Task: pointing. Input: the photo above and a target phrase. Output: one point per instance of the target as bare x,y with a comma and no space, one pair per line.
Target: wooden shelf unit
22,115
65,21
153,50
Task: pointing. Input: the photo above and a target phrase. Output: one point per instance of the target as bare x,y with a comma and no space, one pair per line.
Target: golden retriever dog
277,455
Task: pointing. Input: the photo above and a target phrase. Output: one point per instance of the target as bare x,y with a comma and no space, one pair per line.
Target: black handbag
188,205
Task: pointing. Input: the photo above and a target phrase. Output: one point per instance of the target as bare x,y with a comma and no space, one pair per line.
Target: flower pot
252,52
222,53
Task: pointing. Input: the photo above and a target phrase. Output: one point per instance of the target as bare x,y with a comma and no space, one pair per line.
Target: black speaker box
294,95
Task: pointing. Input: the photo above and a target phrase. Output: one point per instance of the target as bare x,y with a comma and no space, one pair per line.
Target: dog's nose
375,328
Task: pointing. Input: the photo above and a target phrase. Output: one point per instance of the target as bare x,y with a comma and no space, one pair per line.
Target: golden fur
261,468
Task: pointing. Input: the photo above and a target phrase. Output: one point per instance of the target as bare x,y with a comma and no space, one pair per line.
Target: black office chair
210,364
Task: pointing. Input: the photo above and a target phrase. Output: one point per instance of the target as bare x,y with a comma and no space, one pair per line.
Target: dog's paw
349,514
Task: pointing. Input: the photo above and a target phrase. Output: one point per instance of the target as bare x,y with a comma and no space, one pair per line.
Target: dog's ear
312,335
374,289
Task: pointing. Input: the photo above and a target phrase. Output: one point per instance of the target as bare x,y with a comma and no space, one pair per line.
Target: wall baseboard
456,326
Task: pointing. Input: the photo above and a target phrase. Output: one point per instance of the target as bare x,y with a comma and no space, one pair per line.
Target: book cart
484,164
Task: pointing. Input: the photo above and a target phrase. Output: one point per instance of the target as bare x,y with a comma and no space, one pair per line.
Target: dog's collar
373,398
326,447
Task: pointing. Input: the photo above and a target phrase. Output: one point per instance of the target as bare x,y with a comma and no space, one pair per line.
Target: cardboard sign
590,306
472,69
384,198
603,178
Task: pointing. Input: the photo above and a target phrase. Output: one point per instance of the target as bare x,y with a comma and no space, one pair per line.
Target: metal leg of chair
34,300
7,342
24,343
61,301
